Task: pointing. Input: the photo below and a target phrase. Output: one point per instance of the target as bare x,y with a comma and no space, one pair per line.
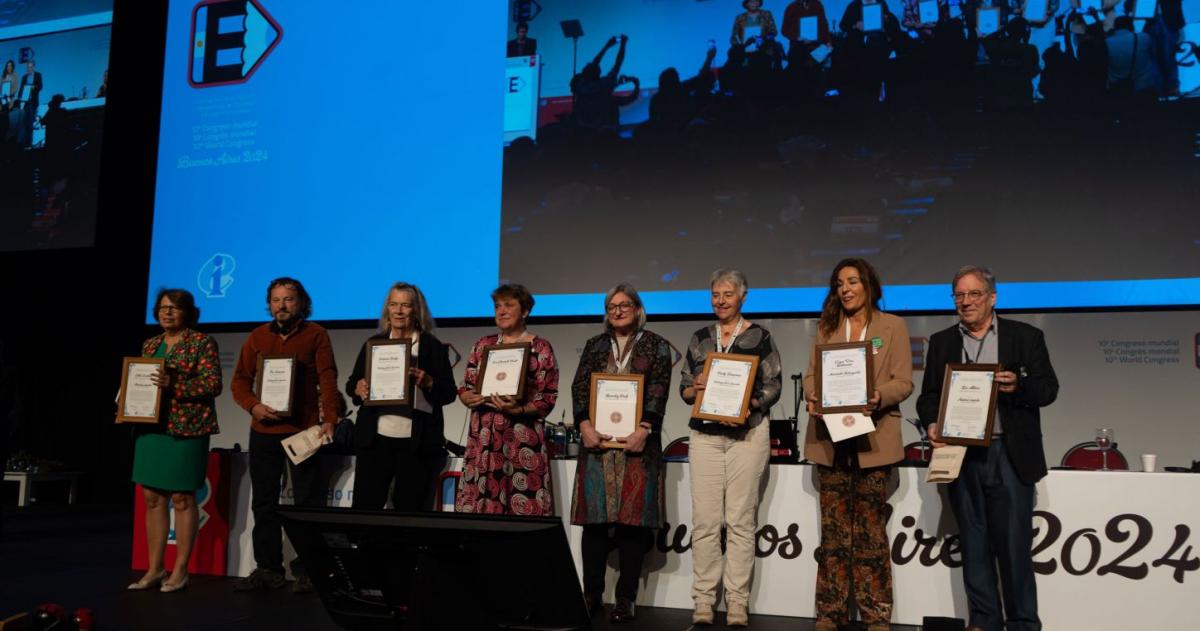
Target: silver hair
628,290
421,314
733,277
984,274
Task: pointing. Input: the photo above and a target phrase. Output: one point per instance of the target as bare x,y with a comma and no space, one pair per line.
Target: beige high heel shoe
147,583
167,588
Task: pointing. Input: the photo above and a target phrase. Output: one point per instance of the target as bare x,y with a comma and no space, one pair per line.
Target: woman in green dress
171,458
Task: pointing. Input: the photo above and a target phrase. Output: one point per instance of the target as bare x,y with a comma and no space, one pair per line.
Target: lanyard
736,330
862,337
978,350
621,359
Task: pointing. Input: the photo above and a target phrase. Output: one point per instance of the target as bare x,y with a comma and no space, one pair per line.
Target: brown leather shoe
623,611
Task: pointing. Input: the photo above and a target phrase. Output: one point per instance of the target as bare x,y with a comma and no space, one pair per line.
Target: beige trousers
726,473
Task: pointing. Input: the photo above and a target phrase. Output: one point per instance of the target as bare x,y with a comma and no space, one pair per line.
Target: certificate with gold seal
616,405
502,371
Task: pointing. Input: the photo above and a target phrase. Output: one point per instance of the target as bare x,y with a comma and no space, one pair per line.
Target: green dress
169,463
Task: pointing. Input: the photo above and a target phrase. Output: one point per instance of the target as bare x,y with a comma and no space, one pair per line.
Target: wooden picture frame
640,388
484,361
263,359
819,374
748,389
947,380
127,364
407,389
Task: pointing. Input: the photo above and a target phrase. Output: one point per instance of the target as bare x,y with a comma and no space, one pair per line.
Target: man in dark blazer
993,496
30,94
522,45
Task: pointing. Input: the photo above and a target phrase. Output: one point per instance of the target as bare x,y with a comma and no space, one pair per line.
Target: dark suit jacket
514,49
428,429
1021,349
35,94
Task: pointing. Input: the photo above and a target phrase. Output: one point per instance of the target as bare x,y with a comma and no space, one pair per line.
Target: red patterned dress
507,467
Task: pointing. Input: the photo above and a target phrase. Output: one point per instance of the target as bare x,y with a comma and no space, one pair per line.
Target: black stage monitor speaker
932,623
390,570
571,29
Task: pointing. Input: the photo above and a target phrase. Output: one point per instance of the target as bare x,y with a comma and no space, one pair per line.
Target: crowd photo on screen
806,132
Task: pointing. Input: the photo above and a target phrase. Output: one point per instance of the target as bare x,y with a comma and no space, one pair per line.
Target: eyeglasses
974,295
169,309
621,306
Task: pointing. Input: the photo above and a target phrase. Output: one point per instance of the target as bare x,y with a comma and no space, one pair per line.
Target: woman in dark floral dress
507,468
620,491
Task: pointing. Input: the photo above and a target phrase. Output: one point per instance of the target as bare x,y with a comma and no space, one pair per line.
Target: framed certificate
615,405
968,408
1036,10
502,371
387,372
987,20
928,10
726,395
808,28
820,53
139,399
275,382
872,17
845,377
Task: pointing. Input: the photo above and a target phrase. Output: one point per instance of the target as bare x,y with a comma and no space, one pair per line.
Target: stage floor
78,556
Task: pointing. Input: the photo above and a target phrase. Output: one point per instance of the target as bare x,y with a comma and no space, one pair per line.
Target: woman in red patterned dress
507,467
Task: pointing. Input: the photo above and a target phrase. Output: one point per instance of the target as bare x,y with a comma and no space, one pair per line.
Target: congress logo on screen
230,39
216,275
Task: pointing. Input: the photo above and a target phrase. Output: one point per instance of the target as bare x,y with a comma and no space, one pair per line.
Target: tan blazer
893,380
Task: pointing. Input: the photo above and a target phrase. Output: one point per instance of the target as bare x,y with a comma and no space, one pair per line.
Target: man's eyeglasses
974,295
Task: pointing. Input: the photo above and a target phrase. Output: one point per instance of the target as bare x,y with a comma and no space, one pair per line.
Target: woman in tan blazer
853,474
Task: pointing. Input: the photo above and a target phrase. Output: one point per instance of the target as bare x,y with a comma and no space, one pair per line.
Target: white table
25,481
1082,556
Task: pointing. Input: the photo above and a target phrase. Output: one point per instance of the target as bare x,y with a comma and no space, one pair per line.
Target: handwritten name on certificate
844,377
276,384
967,405
726,388
141,395
503,371
389,372
616,409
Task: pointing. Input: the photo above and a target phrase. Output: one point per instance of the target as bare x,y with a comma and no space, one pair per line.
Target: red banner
210,553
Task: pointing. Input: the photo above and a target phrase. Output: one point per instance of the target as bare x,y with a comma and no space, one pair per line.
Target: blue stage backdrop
355,146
